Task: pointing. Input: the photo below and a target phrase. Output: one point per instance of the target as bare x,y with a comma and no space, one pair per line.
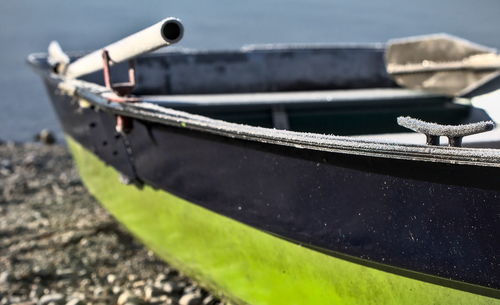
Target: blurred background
28,26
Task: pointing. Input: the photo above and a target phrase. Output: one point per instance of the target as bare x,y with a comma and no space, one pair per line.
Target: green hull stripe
244,264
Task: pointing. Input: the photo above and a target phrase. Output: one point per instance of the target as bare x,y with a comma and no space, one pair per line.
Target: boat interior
341,90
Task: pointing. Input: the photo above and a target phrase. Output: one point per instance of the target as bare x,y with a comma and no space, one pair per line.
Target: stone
161,300
190,289
111,278
44,270
138,292
99,291
45,137
171,288
14,300
75,301
128,298
5,277
6,167
85,282
55,298
191,299
65,273
138,284
122,299
151,292
210,300
116,289
36,292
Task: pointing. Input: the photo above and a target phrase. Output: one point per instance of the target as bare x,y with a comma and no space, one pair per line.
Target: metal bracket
280,117
454,133
122,90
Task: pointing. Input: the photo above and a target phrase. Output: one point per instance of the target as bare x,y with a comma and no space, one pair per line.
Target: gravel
59,246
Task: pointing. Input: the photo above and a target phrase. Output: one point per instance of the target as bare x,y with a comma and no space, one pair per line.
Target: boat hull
245,264
417,223
266,216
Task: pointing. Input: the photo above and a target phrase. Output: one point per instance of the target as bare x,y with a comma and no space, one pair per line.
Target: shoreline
59,246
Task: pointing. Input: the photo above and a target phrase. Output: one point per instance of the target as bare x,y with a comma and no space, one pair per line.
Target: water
28,26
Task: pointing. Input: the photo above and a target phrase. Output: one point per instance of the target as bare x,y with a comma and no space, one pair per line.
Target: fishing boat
291,174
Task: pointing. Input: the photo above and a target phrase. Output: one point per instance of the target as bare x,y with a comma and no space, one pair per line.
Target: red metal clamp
122,90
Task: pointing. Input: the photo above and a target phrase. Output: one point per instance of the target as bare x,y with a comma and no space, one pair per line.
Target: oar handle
475,63
163,33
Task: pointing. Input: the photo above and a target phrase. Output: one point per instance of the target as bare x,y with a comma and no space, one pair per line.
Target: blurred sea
29,25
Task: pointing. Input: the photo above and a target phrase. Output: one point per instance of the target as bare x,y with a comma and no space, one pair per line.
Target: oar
163,33
442,63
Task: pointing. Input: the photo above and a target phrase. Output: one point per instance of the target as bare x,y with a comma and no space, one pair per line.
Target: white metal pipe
161,34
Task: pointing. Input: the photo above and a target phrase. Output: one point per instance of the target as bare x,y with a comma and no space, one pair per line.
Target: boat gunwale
98,96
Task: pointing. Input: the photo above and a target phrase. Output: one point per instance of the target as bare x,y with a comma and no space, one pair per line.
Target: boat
278,174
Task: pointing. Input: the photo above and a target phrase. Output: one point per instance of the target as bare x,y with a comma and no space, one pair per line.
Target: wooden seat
297,97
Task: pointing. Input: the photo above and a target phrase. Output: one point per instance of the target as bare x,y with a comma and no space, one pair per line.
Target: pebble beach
59,246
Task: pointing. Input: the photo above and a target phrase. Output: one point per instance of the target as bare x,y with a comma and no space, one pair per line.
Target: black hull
439,219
